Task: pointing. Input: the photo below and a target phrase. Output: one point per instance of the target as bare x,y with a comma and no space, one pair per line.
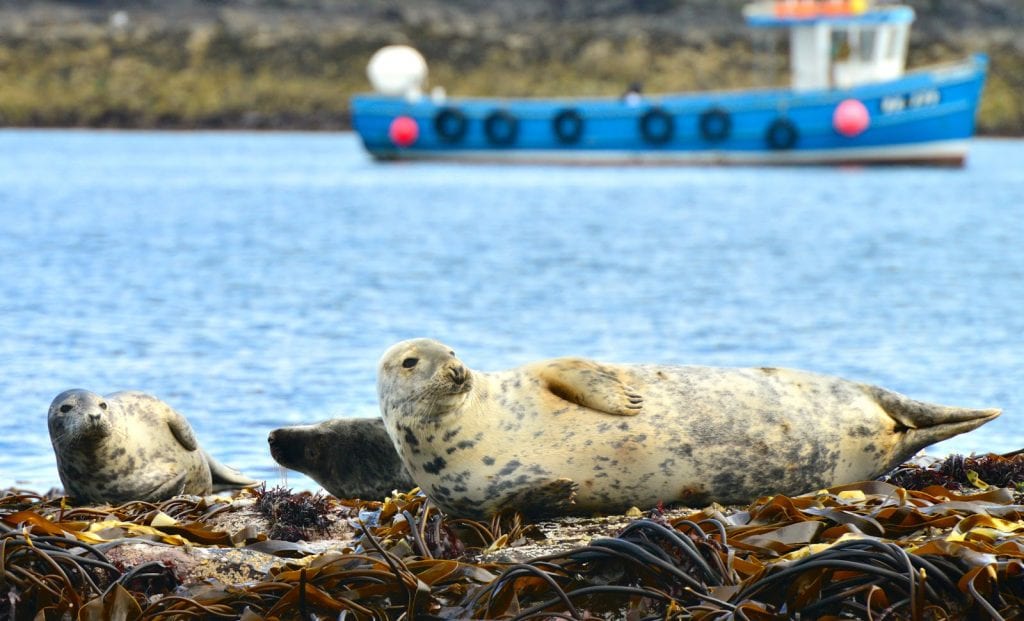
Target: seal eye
64,409
103,405
409,363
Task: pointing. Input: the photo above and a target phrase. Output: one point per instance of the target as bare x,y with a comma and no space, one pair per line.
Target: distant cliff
293,63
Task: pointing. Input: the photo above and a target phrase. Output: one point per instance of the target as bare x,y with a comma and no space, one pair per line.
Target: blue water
252,280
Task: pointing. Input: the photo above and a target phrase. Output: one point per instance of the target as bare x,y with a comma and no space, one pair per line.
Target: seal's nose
94,417
458,375
276,447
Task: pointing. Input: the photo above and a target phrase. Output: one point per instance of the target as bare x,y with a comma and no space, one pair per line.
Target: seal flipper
225,477
181,429
591,385
927,423
546,499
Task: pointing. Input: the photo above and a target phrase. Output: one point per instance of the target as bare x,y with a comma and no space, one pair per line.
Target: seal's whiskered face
77,415
423,369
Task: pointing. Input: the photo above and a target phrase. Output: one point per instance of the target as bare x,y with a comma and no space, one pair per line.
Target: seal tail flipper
928,423
225,477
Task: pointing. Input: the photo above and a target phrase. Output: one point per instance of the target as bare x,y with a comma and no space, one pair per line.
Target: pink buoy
403,131
851,118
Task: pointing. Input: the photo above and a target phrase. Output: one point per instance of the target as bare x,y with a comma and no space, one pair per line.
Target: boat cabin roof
841,13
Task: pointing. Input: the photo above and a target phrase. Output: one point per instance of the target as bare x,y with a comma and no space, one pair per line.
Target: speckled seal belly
572,435
130,446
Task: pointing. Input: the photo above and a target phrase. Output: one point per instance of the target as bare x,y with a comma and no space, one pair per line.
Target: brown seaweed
871,550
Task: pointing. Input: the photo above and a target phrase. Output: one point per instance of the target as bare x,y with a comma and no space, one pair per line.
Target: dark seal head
130,446
349,457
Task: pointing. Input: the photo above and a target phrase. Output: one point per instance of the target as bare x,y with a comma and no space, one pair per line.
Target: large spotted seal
130,446
349,457
620,435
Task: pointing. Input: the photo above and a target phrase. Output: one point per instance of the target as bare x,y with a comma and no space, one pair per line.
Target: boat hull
925,117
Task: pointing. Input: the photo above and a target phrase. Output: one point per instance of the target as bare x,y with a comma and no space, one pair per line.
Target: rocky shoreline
935,540
261,64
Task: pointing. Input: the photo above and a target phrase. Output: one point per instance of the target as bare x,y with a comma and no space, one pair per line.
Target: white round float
397,70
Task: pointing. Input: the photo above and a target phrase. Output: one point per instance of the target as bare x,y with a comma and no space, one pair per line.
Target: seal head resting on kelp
572,435
349,457
130,446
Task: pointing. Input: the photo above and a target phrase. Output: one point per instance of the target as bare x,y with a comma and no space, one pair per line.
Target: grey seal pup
349,457
130,446
573,435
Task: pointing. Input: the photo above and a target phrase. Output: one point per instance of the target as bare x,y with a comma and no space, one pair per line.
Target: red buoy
851,118
403,131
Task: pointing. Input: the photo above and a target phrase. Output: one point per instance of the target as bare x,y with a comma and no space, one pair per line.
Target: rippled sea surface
252,280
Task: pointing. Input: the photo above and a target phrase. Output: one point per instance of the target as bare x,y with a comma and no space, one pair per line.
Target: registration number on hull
919,99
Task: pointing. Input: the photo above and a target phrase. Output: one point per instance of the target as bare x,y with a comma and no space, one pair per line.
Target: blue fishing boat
850,100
